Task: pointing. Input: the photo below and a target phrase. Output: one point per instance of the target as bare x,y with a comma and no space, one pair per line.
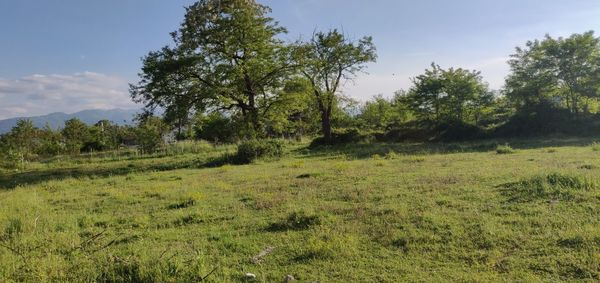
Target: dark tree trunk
326,124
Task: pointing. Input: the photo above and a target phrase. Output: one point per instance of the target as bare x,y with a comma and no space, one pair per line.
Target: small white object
250,276
290,278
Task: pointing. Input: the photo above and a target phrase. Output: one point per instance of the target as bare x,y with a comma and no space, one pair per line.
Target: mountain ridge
56,120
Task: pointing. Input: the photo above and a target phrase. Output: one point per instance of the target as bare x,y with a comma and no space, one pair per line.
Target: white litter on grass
250,276
259,257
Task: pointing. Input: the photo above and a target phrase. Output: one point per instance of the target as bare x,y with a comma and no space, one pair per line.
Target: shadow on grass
359,151
13,180
367,150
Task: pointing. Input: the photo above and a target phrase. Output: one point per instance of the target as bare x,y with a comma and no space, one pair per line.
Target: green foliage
216,128
295,114
20,145
150,134
504,149
562,71
379,113
448,95
327,61
104,135
250,150
75,134
227,55
341,136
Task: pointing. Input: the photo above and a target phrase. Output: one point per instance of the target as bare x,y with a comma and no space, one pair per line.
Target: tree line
229,64
228,76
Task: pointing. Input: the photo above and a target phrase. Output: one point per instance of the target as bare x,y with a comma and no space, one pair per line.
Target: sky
71,55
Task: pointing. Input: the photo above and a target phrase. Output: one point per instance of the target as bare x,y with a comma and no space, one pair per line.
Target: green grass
356,213
506,149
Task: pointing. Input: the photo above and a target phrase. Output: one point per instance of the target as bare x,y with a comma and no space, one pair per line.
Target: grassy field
360,213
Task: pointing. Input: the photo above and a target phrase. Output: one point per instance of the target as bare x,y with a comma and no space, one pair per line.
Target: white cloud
41,94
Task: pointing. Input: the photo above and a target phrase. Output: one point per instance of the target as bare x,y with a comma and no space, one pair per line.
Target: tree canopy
327,61
227,56
564,71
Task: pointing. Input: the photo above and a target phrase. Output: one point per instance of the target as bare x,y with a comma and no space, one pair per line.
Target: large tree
444,95
226,57
566,70
327,61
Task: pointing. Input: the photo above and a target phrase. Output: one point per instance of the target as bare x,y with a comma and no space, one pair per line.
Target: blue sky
69,55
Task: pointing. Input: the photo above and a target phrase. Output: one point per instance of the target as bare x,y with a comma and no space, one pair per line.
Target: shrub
216,128
150,134
545,118
251,150
596,146
341,136
504,149
183,204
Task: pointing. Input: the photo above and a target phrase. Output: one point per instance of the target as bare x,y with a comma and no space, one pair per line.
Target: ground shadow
13,180
367,150
358,151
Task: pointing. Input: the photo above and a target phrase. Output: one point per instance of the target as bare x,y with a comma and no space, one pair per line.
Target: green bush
341,136
504,149
251,150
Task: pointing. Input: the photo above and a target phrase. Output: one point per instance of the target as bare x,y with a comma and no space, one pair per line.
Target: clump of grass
552,186
309,175
576,242
391,155
297,164
183,204
188,220
251,150
504,149
14,228
296,221
415,160
326,245
595,146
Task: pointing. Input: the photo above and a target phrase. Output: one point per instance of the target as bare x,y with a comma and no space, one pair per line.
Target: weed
296,221
551,186
504,149
182,204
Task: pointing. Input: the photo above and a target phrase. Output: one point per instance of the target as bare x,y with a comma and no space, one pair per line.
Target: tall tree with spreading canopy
445,95
327,61
227,57
562,69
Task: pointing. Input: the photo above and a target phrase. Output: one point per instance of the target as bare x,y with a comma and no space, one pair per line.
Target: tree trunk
326,124
254,116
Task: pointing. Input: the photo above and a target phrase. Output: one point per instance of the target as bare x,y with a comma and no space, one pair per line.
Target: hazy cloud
43,94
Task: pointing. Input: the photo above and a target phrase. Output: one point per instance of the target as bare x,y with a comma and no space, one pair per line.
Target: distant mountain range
90,117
